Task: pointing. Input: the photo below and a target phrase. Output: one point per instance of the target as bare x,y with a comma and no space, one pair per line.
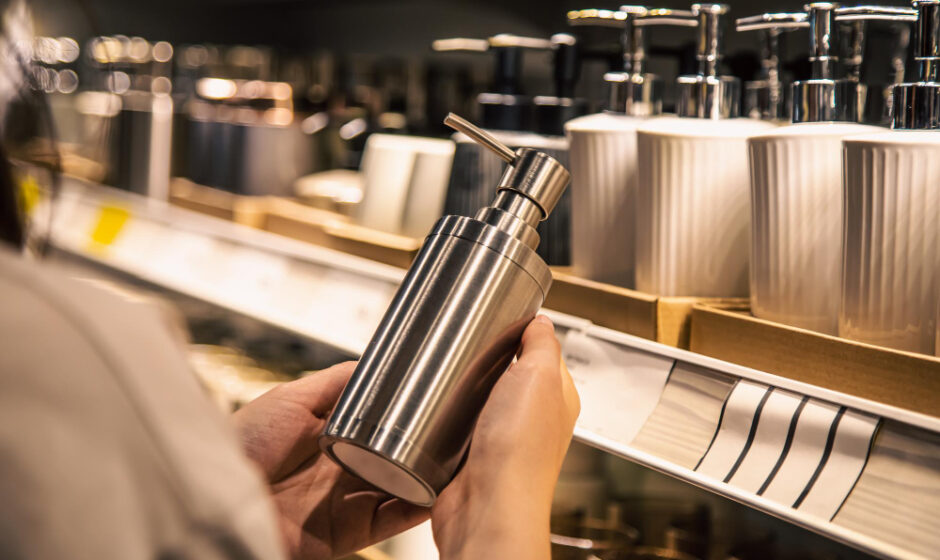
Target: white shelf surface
863,473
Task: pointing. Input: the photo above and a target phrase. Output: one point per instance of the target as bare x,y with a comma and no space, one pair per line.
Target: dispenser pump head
765,97
705,94
632,91
504,107
529,188
916,105
825,96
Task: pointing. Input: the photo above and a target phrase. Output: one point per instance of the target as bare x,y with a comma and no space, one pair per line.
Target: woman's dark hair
27,130
11,223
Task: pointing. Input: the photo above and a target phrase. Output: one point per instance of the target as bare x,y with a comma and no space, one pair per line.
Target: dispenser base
382,473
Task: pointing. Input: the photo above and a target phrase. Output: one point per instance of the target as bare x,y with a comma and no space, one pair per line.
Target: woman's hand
499,504
324,511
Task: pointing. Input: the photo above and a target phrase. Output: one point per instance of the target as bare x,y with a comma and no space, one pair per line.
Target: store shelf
857,471
326,295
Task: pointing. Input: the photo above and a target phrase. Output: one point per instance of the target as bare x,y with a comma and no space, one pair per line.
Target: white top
604,122
708,128
903,137
110,448
835,129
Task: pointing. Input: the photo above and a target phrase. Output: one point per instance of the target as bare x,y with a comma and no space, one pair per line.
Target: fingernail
545,321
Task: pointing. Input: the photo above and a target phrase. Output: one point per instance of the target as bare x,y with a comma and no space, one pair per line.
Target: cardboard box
336,231
245,210
663,319
903,379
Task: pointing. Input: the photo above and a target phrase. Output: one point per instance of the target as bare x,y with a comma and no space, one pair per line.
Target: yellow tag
111,220
30,194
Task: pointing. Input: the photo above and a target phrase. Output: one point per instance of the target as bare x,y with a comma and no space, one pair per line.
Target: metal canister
404,420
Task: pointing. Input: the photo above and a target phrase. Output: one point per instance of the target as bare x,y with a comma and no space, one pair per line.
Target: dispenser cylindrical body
796,223
405,419
692,212
603,196
891,260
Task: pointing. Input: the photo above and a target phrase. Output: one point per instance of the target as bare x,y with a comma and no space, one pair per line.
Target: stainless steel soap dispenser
891,232
404,420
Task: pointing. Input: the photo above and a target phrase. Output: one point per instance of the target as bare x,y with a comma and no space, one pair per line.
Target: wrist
499,516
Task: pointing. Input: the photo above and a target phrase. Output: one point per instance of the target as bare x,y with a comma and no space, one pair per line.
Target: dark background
381,30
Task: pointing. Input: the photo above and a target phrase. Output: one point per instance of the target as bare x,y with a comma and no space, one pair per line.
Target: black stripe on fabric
750,435
721,418
786,445
871,444
825,458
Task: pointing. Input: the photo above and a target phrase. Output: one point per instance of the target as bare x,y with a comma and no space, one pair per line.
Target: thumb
539,345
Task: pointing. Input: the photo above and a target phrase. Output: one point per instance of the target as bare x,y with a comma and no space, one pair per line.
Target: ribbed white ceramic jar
693,210
891,258
796,223
603,164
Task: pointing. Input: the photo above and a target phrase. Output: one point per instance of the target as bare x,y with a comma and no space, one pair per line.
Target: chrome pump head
632,91
825,96
528,190
917,105
873,98
706,94
504,106
765,97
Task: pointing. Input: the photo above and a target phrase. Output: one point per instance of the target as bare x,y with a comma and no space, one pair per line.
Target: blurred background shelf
853,470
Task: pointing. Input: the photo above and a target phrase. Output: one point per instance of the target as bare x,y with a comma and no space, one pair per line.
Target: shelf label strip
622,384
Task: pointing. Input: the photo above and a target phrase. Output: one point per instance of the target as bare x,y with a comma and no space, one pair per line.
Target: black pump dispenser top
552,112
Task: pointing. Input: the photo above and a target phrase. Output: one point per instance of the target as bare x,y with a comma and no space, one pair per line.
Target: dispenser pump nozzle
529,188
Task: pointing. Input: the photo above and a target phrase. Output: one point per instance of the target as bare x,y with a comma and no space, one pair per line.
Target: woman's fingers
319,391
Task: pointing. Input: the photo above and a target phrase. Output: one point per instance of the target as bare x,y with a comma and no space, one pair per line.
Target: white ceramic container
692,211
603,165
891,255
404,183
796,223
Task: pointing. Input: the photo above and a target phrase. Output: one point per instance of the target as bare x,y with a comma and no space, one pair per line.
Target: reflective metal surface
823,98
765,97
632,91
404,421
827,96
705,94
917,105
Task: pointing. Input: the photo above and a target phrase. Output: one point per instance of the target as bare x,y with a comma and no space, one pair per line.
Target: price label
108,226
30,194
